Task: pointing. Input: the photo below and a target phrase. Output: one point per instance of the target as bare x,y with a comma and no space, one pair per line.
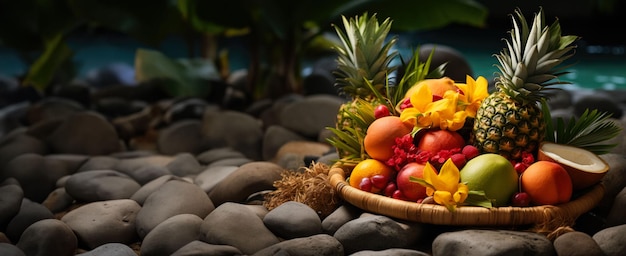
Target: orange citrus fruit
438,86
381,136
367,169
547,183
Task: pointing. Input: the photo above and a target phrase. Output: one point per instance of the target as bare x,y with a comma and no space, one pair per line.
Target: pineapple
510,121
364,63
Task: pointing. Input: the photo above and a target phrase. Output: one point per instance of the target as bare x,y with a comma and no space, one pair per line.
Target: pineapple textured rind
510,121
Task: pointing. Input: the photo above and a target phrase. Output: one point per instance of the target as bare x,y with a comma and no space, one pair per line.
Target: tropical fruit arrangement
421,137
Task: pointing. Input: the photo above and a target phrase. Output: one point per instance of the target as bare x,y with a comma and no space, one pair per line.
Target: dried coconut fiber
310,186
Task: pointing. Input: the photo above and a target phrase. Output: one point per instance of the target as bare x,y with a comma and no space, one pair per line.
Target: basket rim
561,214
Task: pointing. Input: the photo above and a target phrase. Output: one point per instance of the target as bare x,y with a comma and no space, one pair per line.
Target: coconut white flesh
575,157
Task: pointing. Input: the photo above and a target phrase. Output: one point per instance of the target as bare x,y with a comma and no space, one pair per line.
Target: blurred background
47,42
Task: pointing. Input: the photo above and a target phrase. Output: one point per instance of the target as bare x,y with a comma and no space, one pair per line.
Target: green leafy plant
590,131
280,34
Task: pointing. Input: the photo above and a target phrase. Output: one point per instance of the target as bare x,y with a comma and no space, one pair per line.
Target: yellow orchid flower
453,118
445,187
474,92
424,111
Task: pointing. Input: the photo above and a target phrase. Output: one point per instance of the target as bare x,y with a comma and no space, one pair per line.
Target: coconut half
584,167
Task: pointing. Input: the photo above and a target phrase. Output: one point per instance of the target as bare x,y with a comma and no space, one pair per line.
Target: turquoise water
591,67
595,66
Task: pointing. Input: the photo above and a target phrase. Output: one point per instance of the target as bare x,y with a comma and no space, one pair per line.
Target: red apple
411,190
435,140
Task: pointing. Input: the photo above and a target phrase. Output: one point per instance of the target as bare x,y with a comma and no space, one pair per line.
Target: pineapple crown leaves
364,55
590,132
350,139
416,70
532,60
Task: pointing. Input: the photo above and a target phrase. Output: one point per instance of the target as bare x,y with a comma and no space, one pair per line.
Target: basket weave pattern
547,216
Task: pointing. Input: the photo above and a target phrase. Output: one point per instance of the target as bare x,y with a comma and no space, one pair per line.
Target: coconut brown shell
581,178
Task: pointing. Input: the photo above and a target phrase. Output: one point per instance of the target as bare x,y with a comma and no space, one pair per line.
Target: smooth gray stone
180,137
250,178
48,237
11,196
293,220
148,173
184,164
131,164
30,212
316,245
110,249
58,200
142,194
492,242
576,243
234,129
390,252
199,248
7,249
211,176
100,185
36,174
612,240
339,217
231,162
617,214
103,222
171,235
87,133
216,154
276,136
99,163
236,225
20,144
172,198
376,232
325,114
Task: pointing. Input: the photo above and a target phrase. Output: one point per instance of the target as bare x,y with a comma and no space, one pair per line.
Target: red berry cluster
527,160
404,151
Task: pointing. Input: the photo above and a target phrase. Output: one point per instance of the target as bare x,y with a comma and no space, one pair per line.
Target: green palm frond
591,131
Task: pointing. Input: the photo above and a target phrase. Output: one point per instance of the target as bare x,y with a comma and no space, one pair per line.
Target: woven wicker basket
547,217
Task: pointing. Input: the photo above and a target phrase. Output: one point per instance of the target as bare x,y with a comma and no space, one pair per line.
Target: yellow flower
445,187
453,118
424,111
474,92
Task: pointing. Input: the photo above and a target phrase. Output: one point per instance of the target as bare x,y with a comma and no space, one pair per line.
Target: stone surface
171,234
293,220
235,225
577,243
197,248
100,185
29,213
217,193
103,222
299,118
11,196
491,242
172,198
233,129
36,174
248,179
374,232
48,237
118,249
181,137
85,133
319,244
612,240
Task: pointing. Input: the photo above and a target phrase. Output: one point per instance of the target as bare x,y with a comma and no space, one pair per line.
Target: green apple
494,175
